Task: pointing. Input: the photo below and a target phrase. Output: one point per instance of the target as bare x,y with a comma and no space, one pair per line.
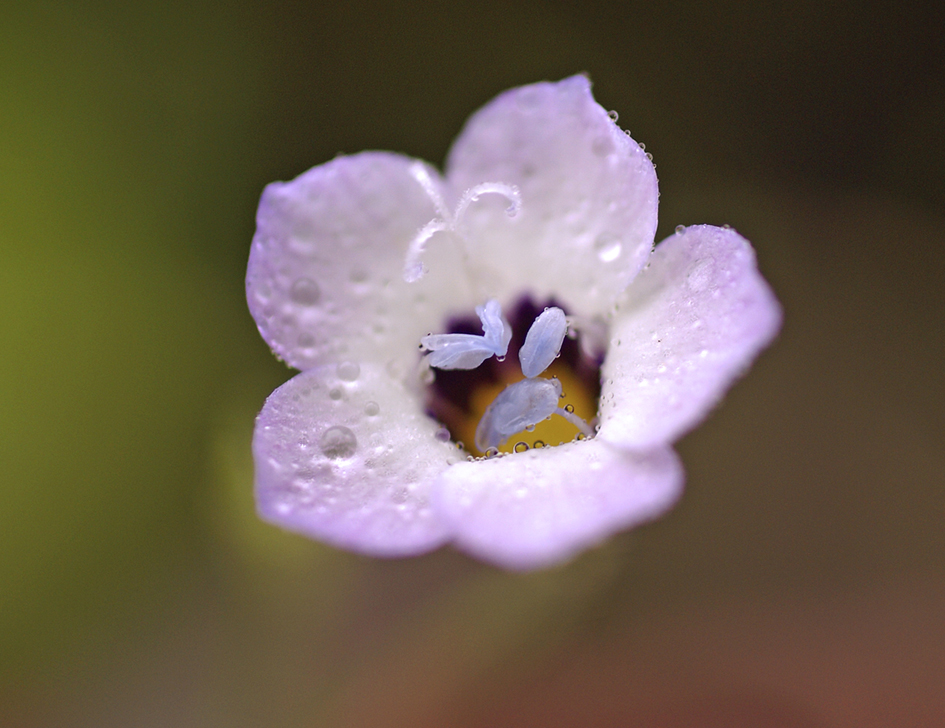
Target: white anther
520,405
543,341
496,330
468,351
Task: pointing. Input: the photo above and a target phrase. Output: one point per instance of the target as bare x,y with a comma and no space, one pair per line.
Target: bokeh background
800,582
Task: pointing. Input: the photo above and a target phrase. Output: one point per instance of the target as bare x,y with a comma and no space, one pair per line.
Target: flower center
538,389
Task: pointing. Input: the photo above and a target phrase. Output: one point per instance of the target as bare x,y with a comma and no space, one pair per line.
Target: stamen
524,404
495,328
419,172
509,192
576,421
461,398
543,341
447,221
468,351
519,406
414,269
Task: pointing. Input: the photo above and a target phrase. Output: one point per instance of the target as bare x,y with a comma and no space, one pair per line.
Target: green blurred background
800,581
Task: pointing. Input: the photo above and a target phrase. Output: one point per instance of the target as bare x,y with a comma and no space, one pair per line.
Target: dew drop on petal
335,393
608,247
680,229
372,409
349,371
338,443
443,435
613,115
305,292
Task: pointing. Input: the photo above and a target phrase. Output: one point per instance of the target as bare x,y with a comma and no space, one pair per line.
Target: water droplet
680,229
335,393
520,446
613,115
349,371
492,452
500,358
305,292
569,408
306,339
608,247
338,443
443,435
529,428
538,444
372,409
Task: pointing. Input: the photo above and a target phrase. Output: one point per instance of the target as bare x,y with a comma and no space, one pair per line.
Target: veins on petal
447,220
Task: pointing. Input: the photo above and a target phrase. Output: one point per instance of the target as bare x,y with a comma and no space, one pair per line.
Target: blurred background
801,580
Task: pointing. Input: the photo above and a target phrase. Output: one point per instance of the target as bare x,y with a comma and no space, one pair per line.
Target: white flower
345,451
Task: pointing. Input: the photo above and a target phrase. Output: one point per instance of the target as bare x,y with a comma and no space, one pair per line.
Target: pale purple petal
534,509
690,324
325,279
588,197
346,455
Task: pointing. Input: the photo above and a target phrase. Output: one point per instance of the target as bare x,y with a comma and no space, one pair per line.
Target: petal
689,325
534,509
325,277
346,455
588,191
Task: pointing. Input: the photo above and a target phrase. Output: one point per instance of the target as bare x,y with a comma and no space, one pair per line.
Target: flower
358,260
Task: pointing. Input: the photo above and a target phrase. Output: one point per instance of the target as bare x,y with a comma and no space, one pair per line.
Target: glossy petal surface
534,509
325,281
588,191
345,454
690,324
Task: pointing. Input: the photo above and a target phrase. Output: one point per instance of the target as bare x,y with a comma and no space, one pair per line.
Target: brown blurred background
801,581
